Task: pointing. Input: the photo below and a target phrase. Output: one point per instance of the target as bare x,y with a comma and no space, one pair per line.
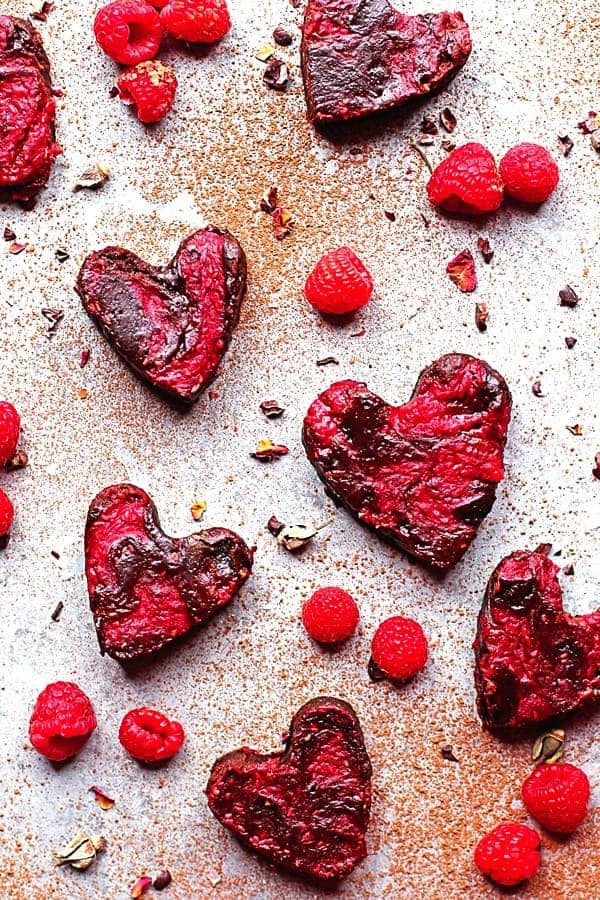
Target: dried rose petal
102,799
267,451
16,248
197,509
83,360
140,887
81,852
461,270
590,124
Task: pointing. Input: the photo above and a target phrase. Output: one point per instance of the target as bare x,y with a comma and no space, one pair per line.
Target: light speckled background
533,74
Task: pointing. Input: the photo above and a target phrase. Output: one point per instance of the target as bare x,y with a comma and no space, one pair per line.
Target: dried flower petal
265,52
295,537
140,887
391,216
81,852
448,119
197,509
271,409
102,799
590,124
568,297
267,451
83,359
15,248
461,270
549,747
93,177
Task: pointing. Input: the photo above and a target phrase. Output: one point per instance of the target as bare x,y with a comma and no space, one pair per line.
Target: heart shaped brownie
28,111
364,56
146,588
307,808
422,475
172,324
533,661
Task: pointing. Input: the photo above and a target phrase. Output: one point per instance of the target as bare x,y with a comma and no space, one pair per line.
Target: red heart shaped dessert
146,588
172,324
364,56
422,475
533,661
27,112
307,808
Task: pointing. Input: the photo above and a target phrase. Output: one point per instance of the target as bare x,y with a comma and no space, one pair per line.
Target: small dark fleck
389,215
483,245
271,409
61,255
9,234
4,541
162,880
448,119
536,388
596,469
448,753
568,297
282,37
544,549
448,146
570,342
18,461
481,316
275,526
577,430
83,359
55,554
569,570
57,611
426,221
566,144
113,92
276,75
429,125
328,361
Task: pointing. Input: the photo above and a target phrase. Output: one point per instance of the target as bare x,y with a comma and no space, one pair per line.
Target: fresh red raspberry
129,31
197,21
399,648
330,615
467,181
557,796
6,514
339,284
10,427
61,722
150,87
509,854
149,736
529,173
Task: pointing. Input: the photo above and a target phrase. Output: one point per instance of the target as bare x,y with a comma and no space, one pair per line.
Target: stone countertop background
533,75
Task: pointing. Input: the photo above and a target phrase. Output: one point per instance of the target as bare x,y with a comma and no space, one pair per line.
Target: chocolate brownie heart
364,56
172,324
533,661
422,475
307,808
146,588
27,112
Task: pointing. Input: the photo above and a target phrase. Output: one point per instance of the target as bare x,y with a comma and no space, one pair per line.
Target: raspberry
150,87
529,173
149,736
339,283
467,181
330,615
129,31
399,648
197,21
61,722
10,426
6,514
557,796
509,854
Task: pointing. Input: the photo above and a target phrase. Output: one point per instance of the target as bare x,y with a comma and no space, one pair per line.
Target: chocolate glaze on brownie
363,56
306,809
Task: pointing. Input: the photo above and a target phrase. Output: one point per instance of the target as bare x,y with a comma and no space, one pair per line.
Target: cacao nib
483,245
9,234
596,469
533,661
172,325
276,75
570,342
363,56
271,409
536,388
18,461
402,470
146,589
481,316
61,255
568,297
282,37
448,119
566,144
448,753
307,808
27,137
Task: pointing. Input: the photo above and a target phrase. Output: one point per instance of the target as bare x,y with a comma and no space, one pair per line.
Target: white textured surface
533,74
